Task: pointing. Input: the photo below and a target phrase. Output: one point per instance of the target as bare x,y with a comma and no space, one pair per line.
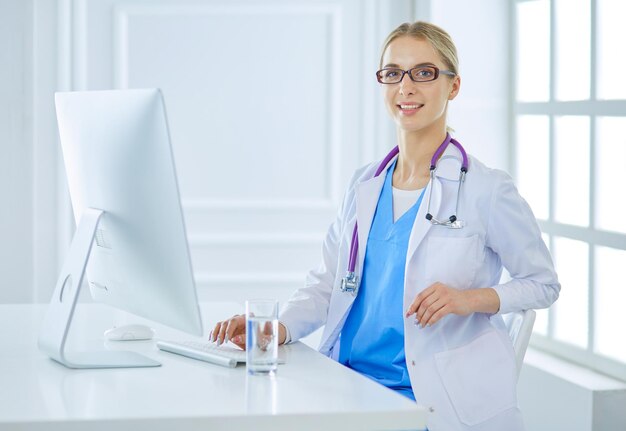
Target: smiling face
417,107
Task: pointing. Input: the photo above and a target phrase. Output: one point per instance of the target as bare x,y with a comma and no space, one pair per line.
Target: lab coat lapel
367,195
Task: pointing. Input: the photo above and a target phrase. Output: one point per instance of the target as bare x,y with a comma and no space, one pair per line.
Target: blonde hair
436,36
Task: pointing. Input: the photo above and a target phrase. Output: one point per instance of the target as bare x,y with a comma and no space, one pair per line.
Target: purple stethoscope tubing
349,282
354,247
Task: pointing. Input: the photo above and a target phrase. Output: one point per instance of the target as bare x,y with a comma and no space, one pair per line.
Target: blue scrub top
372,339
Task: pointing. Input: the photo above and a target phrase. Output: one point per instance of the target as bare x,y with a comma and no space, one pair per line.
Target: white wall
28,151
16,152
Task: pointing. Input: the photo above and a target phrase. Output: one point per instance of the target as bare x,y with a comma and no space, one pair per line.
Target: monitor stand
58,318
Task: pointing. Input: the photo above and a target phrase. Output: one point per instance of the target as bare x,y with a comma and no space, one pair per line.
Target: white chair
520,327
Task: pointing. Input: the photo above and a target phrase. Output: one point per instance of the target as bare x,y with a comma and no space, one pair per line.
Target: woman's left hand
437,301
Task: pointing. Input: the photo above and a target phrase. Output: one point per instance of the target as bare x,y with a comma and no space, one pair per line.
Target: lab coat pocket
453,260
479,378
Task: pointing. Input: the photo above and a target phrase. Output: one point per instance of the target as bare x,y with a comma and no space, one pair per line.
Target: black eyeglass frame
404,72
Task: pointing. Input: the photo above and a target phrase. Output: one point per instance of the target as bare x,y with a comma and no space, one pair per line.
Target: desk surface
309,392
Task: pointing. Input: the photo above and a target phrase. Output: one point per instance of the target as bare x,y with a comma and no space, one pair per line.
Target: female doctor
410,297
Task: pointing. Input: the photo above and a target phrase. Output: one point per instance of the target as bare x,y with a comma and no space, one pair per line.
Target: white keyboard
208,352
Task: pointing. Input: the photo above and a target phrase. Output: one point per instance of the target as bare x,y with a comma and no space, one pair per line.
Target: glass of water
261,337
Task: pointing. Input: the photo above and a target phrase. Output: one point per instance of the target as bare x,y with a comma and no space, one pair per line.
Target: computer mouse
134,332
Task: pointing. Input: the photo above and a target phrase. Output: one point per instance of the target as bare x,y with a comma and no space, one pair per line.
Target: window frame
591,235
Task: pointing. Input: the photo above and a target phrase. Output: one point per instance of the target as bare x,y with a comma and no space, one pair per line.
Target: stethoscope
350,282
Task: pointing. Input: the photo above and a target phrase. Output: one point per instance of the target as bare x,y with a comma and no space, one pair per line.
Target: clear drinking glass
261,337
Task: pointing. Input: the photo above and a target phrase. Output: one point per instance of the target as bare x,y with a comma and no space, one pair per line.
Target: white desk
310,392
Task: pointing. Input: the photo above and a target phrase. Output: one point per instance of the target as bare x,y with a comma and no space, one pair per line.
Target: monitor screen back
118,159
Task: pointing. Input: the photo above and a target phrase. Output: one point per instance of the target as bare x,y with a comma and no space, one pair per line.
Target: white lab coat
462,367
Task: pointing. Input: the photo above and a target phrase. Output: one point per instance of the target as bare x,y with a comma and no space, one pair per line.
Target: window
570,158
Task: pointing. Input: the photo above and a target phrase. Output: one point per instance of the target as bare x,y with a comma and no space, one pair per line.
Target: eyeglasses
393,75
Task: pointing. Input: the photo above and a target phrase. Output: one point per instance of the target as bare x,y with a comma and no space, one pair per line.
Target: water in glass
262,345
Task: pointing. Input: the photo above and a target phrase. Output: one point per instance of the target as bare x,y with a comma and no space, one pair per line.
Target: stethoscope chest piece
350,283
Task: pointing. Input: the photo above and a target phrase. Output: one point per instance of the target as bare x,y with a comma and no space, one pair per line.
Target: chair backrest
520,327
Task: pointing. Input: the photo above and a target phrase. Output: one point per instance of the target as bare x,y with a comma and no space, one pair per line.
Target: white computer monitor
130,237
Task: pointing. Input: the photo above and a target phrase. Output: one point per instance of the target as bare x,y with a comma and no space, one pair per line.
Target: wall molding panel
278,207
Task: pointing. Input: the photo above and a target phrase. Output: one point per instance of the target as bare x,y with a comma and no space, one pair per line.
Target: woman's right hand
234,330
